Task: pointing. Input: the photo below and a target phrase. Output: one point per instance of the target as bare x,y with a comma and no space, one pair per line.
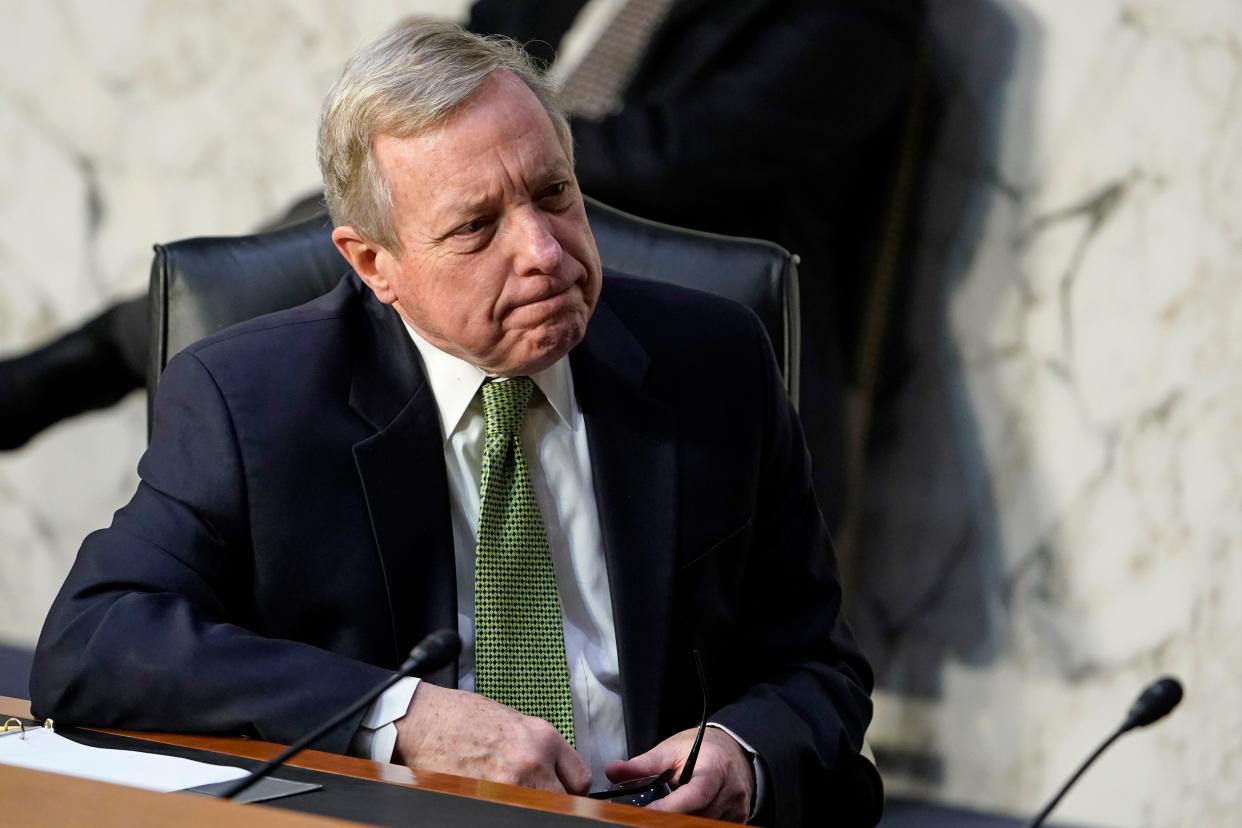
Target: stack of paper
41,749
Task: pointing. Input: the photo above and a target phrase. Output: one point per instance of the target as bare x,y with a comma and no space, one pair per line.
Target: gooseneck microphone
1152,705
434,651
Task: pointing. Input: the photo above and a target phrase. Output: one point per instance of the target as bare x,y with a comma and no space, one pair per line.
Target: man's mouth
552,298
552,303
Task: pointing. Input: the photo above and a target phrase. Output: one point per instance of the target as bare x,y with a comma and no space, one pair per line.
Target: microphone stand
1155,702
1039,820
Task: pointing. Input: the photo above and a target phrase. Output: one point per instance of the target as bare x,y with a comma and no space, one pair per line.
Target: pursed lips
556,295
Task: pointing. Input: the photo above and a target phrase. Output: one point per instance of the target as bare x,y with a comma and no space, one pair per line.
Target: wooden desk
34,799
441,783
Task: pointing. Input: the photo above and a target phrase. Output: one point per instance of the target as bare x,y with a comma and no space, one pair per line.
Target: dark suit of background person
774,119
290,541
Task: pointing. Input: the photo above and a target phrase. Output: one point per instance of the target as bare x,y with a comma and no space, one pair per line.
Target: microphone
1152,705
434,651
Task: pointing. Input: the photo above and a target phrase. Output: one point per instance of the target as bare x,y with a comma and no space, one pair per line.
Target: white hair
414,77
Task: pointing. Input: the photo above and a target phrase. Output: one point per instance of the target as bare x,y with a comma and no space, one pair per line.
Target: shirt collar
455,382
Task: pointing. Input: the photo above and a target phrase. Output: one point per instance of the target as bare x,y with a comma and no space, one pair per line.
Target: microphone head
1154,703
433,652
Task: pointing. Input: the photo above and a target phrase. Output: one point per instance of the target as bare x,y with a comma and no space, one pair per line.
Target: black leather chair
203,285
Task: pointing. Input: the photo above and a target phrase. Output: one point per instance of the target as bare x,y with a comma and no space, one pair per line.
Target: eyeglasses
648,789
687,770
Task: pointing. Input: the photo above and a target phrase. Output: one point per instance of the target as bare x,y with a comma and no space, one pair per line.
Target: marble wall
1055,468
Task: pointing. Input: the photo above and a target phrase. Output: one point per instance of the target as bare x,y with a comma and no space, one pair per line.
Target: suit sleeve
150,631
807,704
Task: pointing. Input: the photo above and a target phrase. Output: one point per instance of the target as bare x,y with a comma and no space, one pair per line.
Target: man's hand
723,785
453,731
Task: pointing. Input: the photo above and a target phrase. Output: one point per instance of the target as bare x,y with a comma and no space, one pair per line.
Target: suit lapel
634,466
405,483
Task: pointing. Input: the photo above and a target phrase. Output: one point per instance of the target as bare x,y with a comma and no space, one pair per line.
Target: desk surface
32,798
568,807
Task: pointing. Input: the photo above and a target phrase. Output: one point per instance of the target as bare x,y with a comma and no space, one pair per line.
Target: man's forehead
502,107
501,136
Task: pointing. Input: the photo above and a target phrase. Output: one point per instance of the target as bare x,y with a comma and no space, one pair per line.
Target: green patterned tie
519,649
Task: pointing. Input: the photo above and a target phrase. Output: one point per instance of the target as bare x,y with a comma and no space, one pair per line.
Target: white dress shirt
554,439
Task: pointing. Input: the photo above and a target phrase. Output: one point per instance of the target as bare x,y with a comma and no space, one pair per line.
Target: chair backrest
202,285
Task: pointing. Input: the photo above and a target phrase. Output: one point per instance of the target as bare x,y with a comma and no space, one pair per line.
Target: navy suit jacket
290,540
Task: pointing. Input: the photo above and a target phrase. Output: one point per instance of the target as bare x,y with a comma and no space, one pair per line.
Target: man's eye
555,191
472,227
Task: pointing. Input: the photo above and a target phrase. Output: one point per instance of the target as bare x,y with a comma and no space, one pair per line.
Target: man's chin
541,348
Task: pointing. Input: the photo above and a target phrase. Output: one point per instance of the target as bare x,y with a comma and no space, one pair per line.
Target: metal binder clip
8,728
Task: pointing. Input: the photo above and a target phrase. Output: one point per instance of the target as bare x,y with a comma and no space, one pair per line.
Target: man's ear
368,260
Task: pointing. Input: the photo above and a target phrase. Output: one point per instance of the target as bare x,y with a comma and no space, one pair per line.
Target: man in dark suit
313,501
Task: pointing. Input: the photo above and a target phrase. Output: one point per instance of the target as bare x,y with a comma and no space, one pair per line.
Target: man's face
499,266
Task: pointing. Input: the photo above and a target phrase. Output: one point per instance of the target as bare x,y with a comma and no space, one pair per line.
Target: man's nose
537,249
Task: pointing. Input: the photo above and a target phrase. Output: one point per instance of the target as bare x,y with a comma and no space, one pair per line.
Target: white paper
46,751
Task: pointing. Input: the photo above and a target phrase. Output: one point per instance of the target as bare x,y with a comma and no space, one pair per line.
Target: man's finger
573,773
691,798
648,764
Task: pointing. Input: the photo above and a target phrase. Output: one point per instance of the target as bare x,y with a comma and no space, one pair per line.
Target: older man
588,484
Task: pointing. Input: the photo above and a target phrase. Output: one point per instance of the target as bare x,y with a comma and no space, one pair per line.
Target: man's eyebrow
557,172
451,216
471,208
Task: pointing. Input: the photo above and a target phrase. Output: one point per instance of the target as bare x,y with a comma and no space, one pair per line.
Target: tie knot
504,404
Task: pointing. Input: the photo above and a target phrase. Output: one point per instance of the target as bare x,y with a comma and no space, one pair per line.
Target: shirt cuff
376,738
756,765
